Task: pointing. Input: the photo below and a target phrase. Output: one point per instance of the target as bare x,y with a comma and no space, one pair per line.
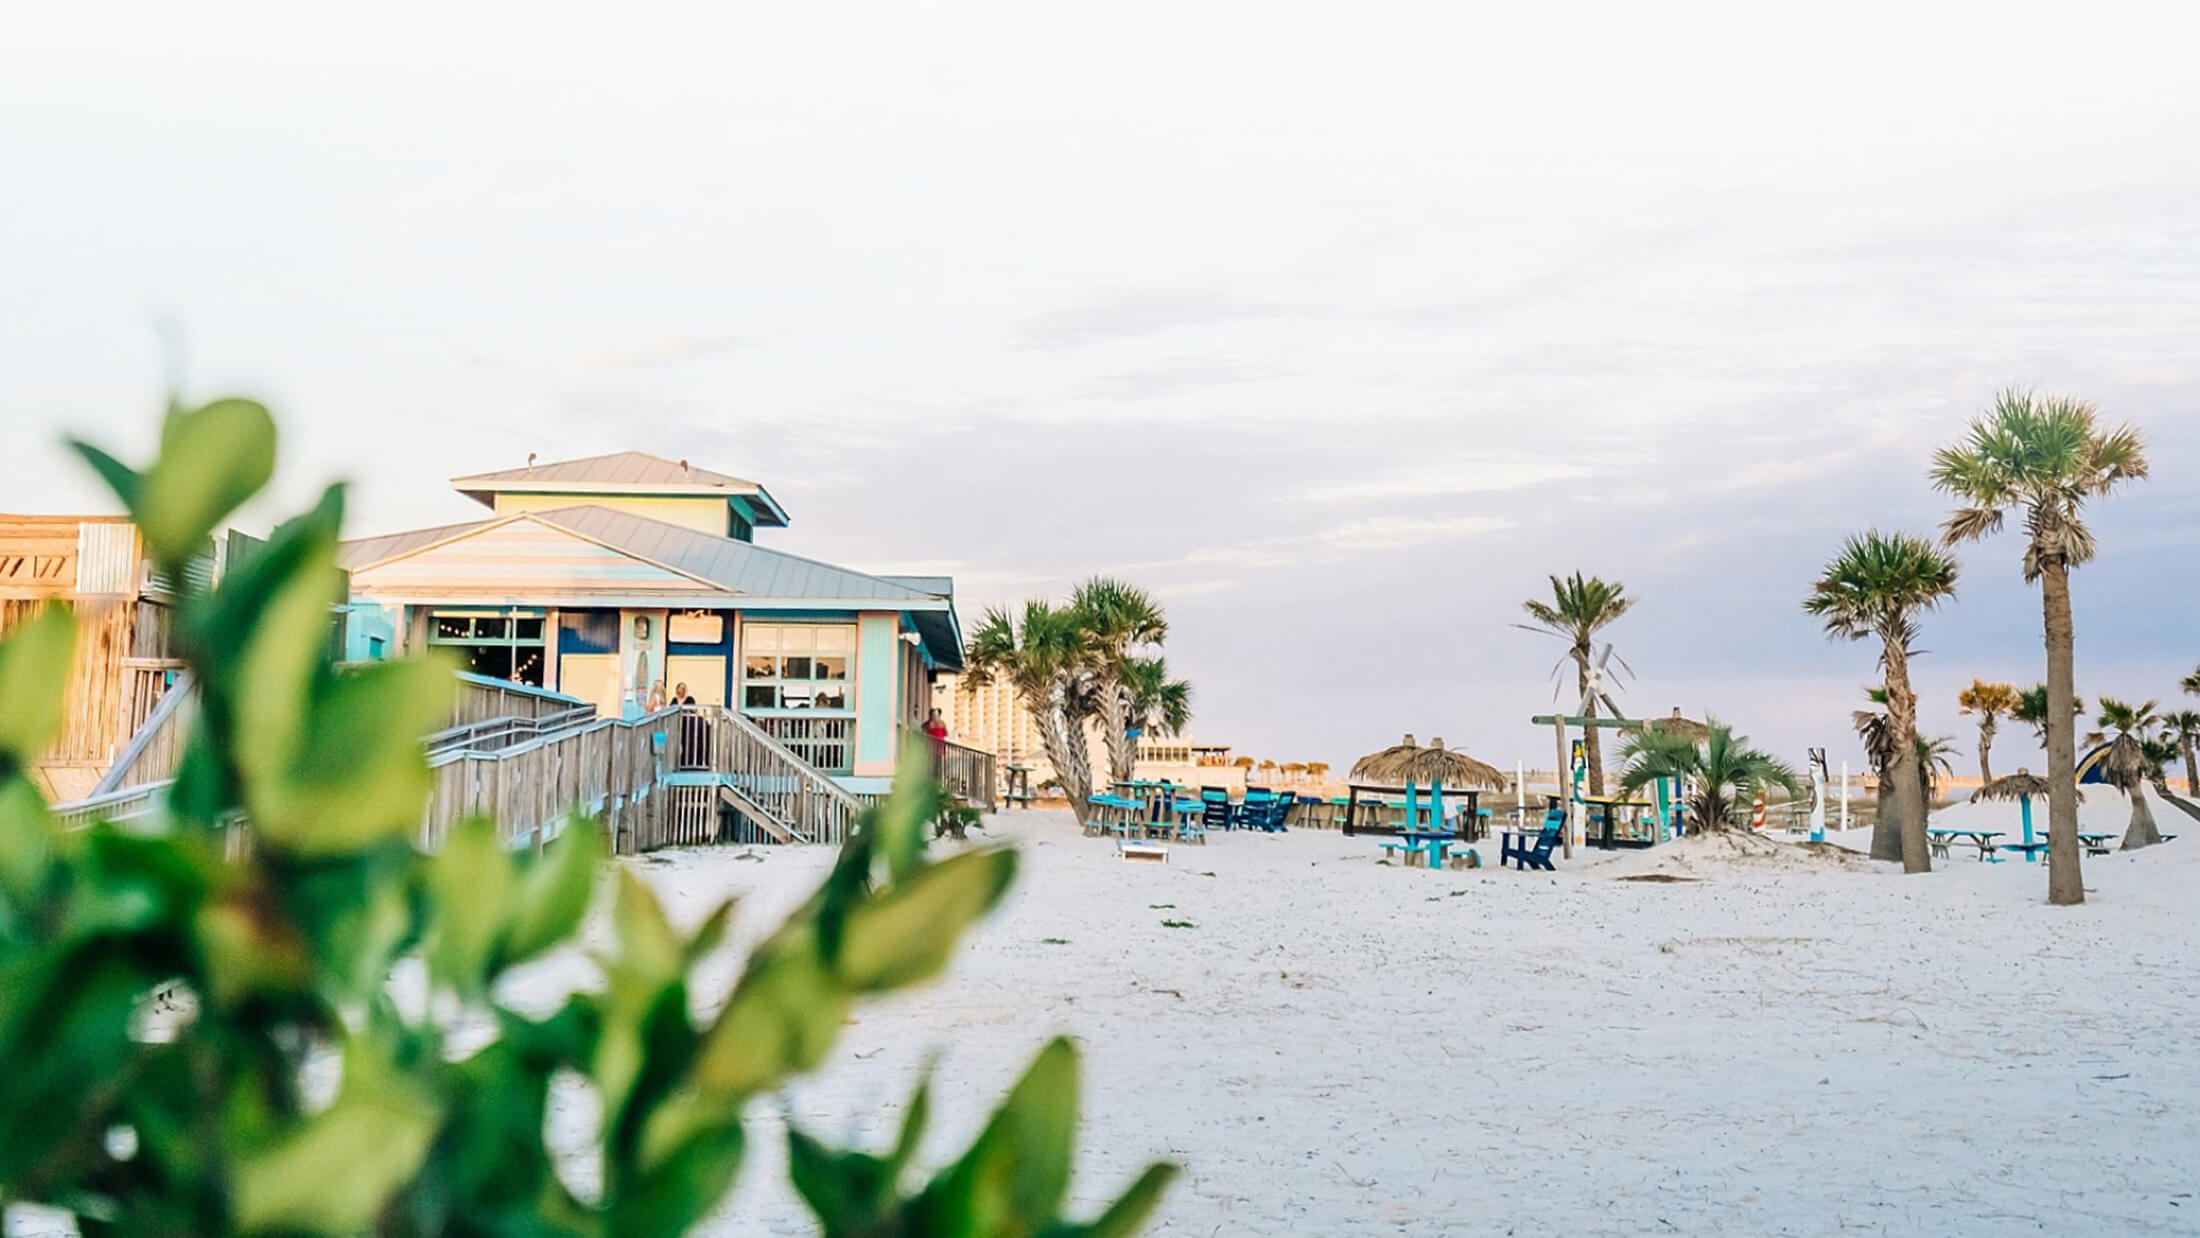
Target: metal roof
367,551
723,562
625,472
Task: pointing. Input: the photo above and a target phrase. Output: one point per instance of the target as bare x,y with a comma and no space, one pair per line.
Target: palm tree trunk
1909,783
2143,832
1076,775
1077,784
1986,750
2192,772
1592,748
1115,734
2065,880
1887,823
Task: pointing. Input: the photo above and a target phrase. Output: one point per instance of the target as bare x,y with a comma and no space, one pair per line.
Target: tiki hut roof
1686,728
2023,784
1409,762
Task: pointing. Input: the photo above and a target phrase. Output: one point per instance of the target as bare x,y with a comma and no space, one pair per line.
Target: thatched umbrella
2020,786
1687,728
1412,766
1408,763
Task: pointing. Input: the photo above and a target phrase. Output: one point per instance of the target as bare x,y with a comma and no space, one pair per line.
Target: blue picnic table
1984,840
1416,843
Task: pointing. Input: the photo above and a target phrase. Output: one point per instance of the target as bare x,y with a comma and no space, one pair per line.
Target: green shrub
167,993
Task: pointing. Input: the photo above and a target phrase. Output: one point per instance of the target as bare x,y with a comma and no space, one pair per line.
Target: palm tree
1877,736
1580,607
1159,705
1045,654
2043,457
1119,619
1722,775
1933,760
2032,710
2183,727
1878,586
2190,684
2133,760
2118,718
1989,703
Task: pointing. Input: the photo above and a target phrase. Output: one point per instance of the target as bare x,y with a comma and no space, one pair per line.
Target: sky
1338,326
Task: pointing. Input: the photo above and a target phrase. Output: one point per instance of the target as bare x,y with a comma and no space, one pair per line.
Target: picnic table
1413,844
2096,844
1984,840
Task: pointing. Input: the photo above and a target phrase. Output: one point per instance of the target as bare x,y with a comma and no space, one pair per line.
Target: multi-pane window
497,644
797,666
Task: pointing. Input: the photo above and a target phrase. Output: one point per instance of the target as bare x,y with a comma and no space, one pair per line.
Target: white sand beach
1336,1047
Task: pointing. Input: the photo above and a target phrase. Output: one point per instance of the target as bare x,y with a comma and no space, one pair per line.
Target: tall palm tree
2183,727
1876,733
2032,710
1045,654
1579,608
1119,620
2190,684
2043,457
1721,776
1879,585
1989,703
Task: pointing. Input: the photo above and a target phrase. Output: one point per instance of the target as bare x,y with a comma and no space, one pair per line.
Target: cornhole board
1143,853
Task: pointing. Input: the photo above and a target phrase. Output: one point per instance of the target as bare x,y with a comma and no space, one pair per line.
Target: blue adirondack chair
1252,812
1215,809
1525,851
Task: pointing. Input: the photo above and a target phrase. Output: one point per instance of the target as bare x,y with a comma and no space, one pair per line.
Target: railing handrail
513,685
170,701
465,736
810,773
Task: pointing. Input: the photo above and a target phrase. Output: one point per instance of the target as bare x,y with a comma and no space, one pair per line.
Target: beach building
97,565
618,579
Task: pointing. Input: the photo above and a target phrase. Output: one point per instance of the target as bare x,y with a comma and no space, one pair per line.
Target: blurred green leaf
907,934
34,682
338,1170
362,777
555,892
1015,1176
471,880
1129,1214
212,459
120,477
29,841
781,1020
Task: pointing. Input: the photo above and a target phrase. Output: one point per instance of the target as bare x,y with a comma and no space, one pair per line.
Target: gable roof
626,472
721,563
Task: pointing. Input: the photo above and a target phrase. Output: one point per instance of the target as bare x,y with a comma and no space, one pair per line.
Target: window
497,644
797,666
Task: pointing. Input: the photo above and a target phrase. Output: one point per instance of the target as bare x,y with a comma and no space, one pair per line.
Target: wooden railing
827,743
156,744
532,779
608,769
968,772
146,684
481,699
771,776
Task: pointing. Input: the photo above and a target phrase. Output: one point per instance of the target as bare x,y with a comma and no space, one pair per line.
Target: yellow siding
710,516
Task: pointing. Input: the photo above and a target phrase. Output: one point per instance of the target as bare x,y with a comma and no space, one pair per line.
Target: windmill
1594,677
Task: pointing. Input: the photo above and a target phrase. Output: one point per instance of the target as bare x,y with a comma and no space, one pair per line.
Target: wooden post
1351,808
1565,791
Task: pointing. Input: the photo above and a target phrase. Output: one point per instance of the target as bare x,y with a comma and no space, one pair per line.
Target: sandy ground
1741,1045
1340,1047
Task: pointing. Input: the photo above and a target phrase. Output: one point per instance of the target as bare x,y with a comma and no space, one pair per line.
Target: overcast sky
1340,326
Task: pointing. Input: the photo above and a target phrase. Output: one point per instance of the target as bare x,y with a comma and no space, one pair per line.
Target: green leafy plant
272,1013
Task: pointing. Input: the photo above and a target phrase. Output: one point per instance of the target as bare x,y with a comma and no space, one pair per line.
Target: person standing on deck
935,729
